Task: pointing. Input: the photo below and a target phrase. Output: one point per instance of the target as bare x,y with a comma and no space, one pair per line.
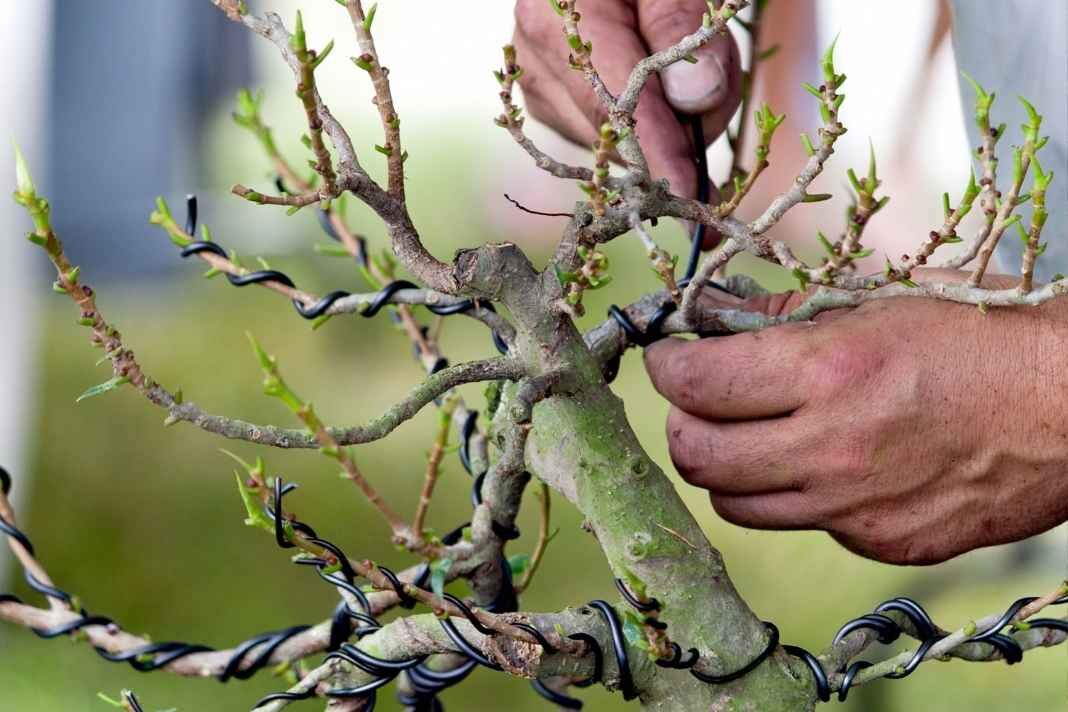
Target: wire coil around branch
322,305
653,330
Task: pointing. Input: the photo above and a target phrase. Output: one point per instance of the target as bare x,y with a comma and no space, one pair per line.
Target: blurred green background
142,522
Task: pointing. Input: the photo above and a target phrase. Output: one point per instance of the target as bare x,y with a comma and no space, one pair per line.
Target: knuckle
684,446
684,376
845,364
852,457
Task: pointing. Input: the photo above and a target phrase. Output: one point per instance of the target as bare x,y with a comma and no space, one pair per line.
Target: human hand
912,430
623,32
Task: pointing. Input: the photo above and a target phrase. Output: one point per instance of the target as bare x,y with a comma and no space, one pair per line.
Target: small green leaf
364,62
873,181
256,516
23,181
518,563
826,244
321,56
104,387
113,703
439,570
266,361
816,197
768,53
828,62
369,18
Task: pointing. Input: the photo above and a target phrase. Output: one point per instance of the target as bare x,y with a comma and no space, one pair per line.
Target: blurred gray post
109,100
22,25
134,84
1020,47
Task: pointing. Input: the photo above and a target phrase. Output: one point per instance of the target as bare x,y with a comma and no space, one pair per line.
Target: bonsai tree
680,637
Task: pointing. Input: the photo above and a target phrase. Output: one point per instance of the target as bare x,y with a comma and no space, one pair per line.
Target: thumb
690,88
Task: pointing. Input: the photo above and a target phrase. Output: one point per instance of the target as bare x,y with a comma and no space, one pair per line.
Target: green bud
1034,121
299,41
827,246
369,18
983,102
854,181
827,62
768,53
104,387
253,508
267,362
23,181
321,56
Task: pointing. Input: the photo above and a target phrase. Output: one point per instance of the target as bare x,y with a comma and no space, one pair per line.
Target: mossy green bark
582,445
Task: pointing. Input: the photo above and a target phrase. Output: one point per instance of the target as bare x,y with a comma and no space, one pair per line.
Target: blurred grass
143,522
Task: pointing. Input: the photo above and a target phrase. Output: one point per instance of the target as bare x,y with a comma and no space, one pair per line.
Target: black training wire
320,307
253,653
619,646
653,331
886,630
131,699
927,633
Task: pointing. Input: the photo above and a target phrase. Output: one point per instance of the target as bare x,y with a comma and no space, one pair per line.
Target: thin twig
525,209
433,465
544,537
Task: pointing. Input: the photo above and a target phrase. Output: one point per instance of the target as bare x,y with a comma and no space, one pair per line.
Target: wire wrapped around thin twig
322,305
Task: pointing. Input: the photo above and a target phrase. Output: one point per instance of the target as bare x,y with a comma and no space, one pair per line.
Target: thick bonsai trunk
583,446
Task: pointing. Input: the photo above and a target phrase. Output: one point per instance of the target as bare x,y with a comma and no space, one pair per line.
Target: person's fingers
612,29
743,458
777,510
712,85
739,377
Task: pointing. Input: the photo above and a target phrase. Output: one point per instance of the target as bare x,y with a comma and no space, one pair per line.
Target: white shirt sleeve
1020,47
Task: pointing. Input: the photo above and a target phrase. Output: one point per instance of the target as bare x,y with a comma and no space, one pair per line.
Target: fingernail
695,88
